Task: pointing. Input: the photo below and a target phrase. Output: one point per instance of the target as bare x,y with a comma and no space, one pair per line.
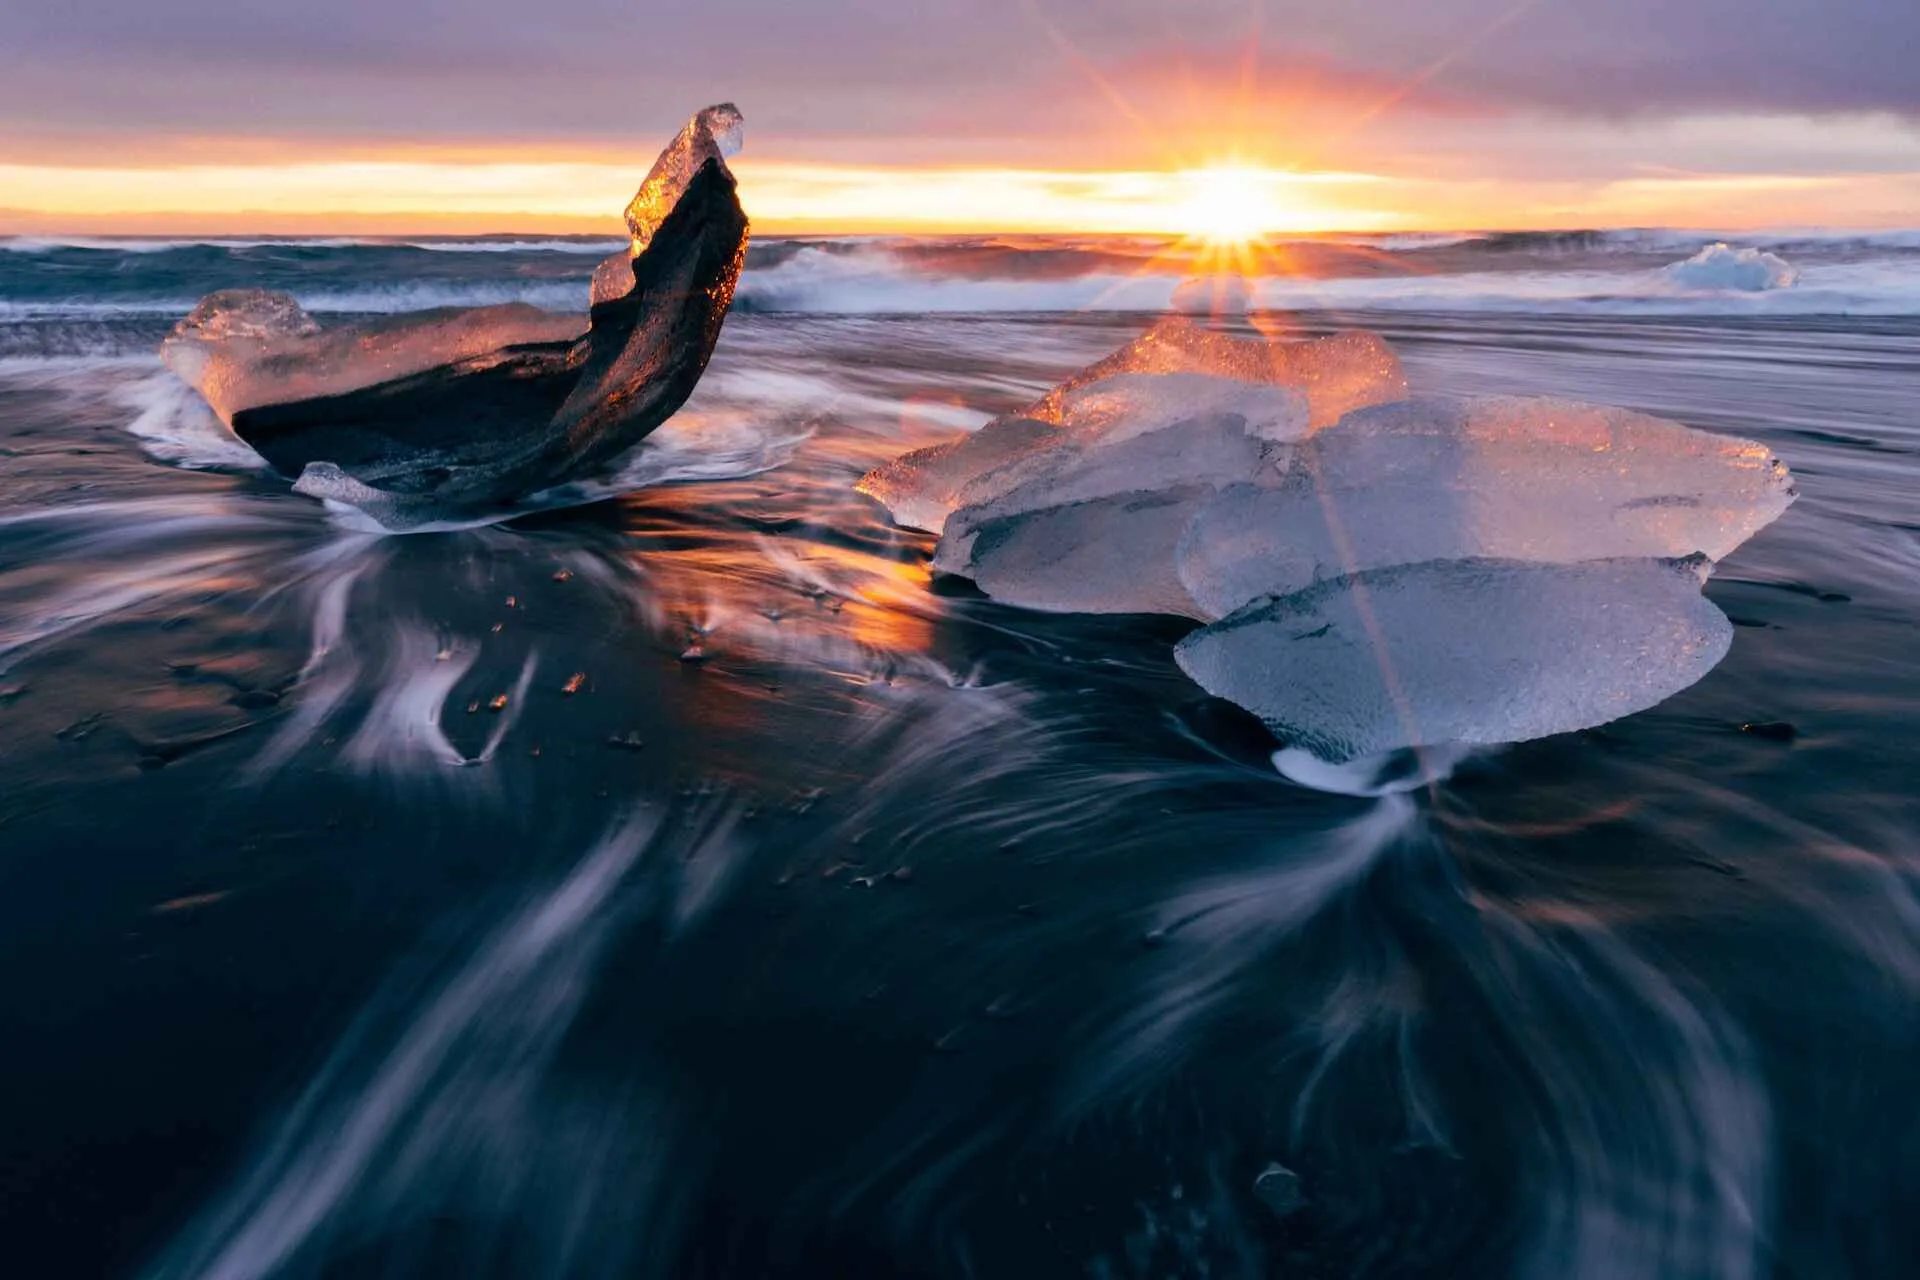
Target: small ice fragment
1462,651
1721,266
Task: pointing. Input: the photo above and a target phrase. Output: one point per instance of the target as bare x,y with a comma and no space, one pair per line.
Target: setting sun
1229,204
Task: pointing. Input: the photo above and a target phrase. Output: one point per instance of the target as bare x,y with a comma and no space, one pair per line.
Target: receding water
838,924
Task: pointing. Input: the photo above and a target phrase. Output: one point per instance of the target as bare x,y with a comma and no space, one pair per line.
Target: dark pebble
1278,1188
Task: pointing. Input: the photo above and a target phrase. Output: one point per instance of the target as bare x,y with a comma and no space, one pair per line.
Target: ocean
680,883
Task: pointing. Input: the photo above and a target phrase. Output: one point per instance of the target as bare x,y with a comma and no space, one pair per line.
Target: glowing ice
451,414
1385,572
709,138
1337,374
1113,399
244,348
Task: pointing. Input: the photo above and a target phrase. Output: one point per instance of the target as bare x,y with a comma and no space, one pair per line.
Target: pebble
1278,1188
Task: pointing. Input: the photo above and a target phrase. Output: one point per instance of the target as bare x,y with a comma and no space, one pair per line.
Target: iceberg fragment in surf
1723,267
1375,571
445,414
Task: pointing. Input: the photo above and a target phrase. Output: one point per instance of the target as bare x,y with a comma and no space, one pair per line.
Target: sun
1227,204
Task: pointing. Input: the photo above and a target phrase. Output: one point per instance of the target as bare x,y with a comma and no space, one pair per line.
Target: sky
459,116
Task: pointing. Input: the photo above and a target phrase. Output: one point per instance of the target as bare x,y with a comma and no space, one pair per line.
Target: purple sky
1711,112
905,79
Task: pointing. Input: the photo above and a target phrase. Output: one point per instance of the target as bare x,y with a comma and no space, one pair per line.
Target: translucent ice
1174,372
446,415
1515,478
1416,573
710,137
243,348
920,489
1720,266
1090,522
1337,374
1462,651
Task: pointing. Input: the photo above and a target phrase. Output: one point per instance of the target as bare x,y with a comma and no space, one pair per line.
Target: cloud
880,74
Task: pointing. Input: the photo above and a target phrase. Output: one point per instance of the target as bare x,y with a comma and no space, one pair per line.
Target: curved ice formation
441,414
1721,266
1463,651
1377,572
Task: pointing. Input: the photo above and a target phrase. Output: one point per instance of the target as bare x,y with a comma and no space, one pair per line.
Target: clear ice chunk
1113,554
1175,371
1121,444
1024,545
1379,573
1473,651
920,489
711,135
1337,374
1509,477
1136,404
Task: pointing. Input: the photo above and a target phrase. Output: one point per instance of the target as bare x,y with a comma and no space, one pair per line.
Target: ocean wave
564,296
1873,273
145,244
878,283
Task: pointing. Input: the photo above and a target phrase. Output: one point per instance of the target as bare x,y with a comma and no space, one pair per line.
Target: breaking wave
1858,273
